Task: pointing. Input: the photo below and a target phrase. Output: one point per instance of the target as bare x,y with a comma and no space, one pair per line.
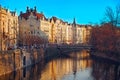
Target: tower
74,31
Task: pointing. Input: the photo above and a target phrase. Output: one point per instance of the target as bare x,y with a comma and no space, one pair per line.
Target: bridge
64,49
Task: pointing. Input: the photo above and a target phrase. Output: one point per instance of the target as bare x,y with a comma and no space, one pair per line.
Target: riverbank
13,60
16,59
105,57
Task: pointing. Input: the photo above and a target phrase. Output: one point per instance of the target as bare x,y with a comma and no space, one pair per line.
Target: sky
84,11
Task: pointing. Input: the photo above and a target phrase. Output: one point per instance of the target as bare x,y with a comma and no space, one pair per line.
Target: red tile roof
26,15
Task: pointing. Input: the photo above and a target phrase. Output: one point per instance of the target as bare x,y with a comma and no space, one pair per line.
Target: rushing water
76,66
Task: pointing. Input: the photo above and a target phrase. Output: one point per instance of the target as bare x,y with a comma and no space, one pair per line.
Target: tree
112,16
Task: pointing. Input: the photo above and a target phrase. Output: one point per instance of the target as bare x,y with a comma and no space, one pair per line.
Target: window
31,25
3,23
31,32
38,32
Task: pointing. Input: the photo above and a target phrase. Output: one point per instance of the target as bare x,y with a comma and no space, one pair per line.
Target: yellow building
3,20
83,33
53,29
88,33
69,34
45,26
59,32
8,29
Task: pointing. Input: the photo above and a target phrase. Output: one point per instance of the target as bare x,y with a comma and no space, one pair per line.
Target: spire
35,9
74,22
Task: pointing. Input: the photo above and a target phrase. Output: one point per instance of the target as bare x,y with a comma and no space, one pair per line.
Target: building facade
32,32
8,29
33,28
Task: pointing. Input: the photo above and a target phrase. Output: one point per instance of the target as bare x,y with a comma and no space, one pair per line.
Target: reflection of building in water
55,70
105,71
28,73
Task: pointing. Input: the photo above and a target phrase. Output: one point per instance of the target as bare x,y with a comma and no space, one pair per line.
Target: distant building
8,29
83,34
53,30
61,32
69,34
35,28
74,31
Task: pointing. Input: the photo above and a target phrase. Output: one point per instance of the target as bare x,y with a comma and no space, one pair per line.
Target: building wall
33,25
3,20
45,26
88,33
53,30
79,35
32,31
69,34
12,29
8,29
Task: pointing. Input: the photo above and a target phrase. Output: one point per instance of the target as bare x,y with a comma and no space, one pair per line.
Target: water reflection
68,68
78,66
29,73
104,70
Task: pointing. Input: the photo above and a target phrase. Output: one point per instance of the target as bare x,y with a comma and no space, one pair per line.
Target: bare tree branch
113,16
110,14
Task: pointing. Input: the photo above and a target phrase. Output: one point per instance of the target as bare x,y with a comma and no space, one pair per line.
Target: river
75,66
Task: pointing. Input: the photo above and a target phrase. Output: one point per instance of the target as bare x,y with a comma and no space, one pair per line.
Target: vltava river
75,66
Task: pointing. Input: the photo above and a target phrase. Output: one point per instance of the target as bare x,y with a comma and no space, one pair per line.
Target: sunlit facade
69,34
31,27
53,30
45,26
35,28
83,34
8,29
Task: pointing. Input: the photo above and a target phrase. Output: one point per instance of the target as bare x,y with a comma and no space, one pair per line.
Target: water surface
75,66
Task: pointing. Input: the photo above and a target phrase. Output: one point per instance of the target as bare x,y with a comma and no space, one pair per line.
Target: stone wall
14,60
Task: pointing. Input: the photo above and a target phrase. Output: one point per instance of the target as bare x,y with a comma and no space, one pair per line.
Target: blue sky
85,11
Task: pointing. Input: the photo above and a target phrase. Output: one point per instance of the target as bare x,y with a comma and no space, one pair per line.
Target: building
34,25
8,29
83,34
69,34
31,28
74,28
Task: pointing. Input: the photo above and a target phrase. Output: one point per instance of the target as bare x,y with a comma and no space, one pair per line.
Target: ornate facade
55,29
8,29
35,29
31,28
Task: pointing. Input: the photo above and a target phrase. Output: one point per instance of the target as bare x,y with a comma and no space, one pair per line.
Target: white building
31,28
